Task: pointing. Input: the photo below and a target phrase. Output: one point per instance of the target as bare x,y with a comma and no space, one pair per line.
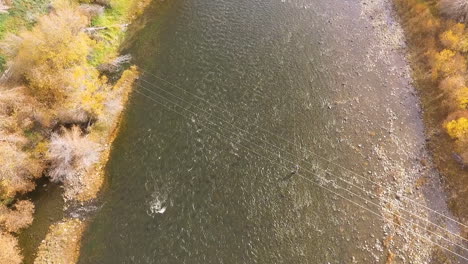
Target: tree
9,252
48,55
89,91
455,38
116,98
17,171
458,128
21,216
447,63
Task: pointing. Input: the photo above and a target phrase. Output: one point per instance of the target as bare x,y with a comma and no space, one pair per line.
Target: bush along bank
438,43
59,109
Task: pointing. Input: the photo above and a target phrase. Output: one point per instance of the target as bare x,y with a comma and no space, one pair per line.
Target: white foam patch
157,205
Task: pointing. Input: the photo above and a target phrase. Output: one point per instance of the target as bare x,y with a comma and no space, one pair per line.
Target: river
268,131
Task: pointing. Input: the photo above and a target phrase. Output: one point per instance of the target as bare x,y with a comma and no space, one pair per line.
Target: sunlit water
237,169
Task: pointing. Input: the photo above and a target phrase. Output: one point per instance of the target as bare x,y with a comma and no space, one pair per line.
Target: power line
320,185
338,179
423,219
309,151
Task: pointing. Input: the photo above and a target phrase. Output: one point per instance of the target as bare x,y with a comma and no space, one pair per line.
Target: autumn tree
455,38
115,100
447,63
10,252
18,217
53,58
47,55
17,170
458,128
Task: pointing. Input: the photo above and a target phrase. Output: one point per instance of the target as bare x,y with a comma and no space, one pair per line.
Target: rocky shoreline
419,227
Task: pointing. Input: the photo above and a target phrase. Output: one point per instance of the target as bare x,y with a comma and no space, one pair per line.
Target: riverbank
63,92
437,48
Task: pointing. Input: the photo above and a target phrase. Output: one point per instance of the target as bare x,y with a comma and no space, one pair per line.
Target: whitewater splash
157,205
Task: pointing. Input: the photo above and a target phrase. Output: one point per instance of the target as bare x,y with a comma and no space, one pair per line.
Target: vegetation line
62,92
438,46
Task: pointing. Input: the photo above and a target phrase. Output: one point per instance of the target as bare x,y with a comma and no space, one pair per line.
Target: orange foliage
10,252
19,218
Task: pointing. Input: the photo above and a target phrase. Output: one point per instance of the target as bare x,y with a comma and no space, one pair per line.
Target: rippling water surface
225,149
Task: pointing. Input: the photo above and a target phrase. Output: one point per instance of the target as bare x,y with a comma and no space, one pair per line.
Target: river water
267,131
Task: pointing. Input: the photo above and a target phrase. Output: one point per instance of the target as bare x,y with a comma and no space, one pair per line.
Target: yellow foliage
458,128
52,49
53,58
463,44
458,28
449,39
88,90
40,149
446,63
455,38
443,62
462,98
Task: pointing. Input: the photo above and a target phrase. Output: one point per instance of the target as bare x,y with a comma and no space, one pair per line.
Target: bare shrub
455,9
21,216
71,154
10,252
17,170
